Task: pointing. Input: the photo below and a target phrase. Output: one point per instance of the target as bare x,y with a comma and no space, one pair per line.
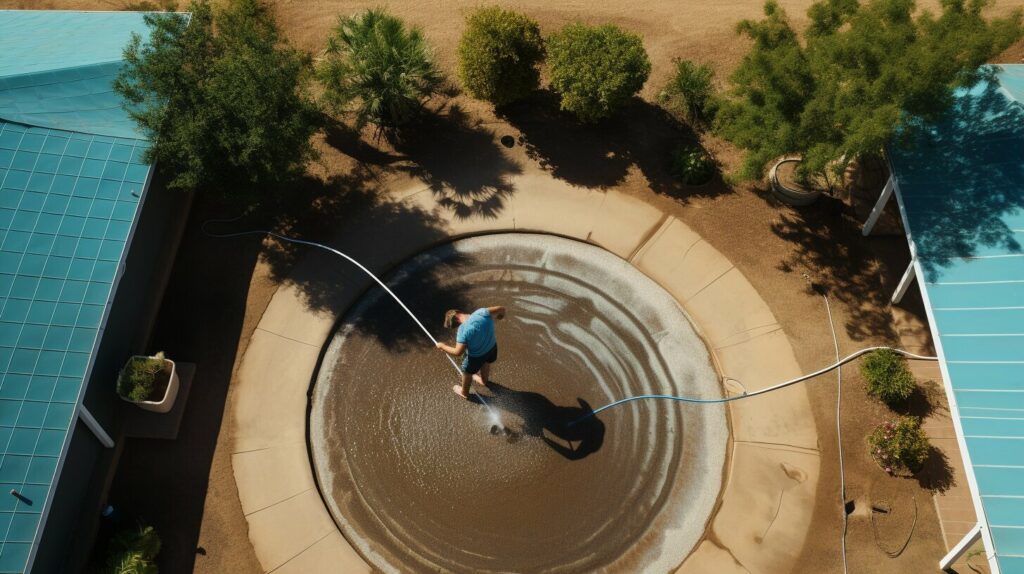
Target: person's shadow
577,437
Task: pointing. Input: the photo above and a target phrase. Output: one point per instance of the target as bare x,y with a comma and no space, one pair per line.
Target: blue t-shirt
477,333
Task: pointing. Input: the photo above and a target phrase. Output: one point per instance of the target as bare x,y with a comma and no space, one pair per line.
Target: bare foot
458,391
479,380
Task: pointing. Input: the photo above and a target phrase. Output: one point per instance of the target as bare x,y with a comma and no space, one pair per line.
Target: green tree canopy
222,98
596,69
378,69
861,70
499,55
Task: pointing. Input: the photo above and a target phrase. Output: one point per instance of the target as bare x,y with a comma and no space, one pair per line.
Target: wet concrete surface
421,480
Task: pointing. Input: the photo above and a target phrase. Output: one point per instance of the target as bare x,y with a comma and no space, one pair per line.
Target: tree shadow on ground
960,177
641,135
457,157
341,210
855,272
936,474
428,285
461,162
540,418
351,143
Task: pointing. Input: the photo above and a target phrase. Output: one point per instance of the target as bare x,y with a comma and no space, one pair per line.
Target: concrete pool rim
291,529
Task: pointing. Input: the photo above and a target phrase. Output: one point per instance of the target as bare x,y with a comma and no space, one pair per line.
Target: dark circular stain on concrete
421,480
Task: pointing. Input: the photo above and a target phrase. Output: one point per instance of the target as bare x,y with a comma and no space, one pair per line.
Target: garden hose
910,535
361,268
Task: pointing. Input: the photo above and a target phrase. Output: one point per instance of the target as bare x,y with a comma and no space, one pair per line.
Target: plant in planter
899,446
692,165
133,551
149,382
888,376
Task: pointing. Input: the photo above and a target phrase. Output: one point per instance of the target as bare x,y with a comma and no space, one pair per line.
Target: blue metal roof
960,183
78,99
72,178
45,40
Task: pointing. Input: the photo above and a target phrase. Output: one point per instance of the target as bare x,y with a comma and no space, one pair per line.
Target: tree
689,92
378,70
771,87
499,55
221,97
862,72
596,69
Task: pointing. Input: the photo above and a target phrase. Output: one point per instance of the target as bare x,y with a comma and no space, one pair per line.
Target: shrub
899,445
133,551
596,69
499,55
221,96
887,376
692,165
137,379
378,70
688,94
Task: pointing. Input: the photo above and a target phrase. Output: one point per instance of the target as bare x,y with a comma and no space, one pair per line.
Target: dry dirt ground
219,290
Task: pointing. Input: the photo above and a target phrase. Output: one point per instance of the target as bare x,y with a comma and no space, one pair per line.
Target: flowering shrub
899,445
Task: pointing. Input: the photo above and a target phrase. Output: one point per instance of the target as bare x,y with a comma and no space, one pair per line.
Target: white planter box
167,402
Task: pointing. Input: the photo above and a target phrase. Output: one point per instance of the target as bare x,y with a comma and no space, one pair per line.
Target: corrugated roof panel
63,229
74,99
72,176
45,40
961,188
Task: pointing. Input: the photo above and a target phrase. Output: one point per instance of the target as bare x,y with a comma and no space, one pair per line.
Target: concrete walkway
769,488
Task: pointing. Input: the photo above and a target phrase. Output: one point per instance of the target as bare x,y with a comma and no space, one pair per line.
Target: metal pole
876,212
908,277
94,426
961,547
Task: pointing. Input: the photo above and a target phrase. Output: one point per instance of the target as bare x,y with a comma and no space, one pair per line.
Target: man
476,338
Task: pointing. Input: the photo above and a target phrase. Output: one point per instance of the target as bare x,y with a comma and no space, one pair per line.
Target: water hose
350,260
839,427
746,395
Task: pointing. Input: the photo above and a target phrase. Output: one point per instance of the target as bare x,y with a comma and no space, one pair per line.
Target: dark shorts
472,365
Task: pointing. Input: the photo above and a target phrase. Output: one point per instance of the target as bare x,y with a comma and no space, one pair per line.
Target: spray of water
492,414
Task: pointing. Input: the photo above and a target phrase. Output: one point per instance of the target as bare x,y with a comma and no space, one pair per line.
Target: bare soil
219,289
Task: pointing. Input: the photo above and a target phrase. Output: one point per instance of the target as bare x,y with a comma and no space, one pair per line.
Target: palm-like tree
377,69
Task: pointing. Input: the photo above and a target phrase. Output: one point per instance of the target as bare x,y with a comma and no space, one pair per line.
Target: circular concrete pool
418,479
